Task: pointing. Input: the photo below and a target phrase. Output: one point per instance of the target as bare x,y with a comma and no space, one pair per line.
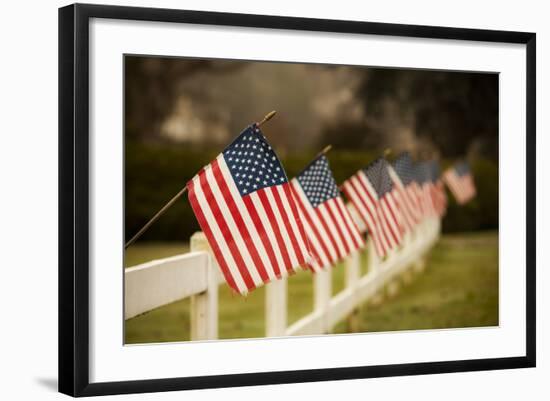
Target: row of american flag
261,226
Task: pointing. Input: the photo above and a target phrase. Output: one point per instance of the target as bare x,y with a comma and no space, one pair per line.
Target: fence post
204,306
374,270
353,273
322,289
275,308
374,260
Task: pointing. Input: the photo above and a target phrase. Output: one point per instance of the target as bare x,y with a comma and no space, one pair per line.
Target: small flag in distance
460,181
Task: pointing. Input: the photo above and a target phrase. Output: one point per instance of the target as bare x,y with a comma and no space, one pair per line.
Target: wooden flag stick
325,150
176,197
267,117
156,217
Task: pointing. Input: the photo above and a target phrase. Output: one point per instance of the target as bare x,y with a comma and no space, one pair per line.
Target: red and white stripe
439,198
462,187
428,200
255,238
331,232
380,216
406,203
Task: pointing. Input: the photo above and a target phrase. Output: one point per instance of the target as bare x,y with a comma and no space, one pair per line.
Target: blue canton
462,169
317,182
422,172
252,162
404,168
434,170
379,177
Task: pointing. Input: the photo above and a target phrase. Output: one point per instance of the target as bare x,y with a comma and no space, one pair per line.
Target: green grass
145,252
459,288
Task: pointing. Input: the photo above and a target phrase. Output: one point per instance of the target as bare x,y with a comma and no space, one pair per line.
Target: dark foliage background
180,113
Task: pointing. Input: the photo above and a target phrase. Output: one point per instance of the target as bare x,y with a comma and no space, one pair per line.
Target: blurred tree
151,89
450,109
424,111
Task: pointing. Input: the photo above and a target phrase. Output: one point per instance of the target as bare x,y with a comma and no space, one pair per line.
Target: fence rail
195,275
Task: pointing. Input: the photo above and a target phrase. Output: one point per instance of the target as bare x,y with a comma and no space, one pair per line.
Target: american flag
402,177
461,183
331,232
244,204
439,196
373,194
424,176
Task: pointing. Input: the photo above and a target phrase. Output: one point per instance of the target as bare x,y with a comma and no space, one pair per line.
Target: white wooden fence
195,275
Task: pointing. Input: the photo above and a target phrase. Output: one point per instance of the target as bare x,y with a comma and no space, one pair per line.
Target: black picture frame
74,198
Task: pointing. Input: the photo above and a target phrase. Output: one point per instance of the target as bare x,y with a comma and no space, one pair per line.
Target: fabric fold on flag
460,181
374,197
330,229
431,195
422,175
401,175
245,207
438,189
405,169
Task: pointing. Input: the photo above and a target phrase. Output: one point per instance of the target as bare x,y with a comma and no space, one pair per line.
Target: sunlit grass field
459,288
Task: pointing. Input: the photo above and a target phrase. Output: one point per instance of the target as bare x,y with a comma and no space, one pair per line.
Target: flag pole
167,206
325,150
267,117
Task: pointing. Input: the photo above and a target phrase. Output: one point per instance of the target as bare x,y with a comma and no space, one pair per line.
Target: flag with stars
423,177
461,183
438,190
372,193
330,230
244,204
401,176
405,169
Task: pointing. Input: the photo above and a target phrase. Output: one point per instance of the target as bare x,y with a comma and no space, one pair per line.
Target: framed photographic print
251,199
